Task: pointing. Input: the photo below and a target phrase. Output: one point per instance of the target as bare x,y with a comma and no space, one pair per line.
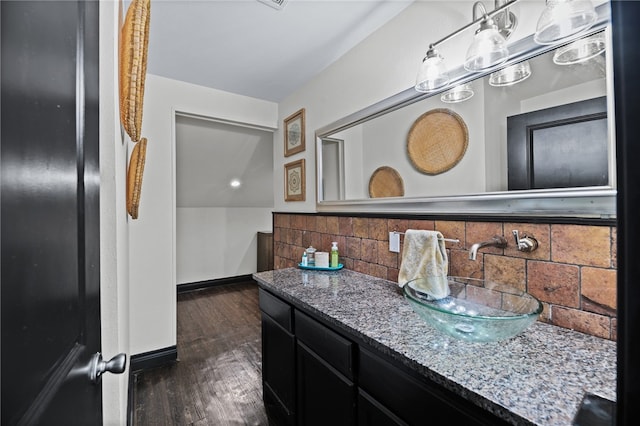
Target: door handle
98,366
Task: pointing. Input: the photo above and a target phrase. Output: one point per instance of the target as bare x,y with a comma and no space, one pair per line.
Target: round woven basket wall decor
385,181
134,45
134,177
437,141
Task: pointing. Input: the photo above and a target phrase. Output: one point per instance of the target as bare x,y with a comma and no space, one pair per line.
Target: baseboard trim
200,285
142,362
153,359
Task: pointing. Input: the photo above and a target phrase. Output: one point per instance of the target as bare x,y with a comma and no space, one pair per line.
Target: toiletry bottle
304,259
334,255
311,256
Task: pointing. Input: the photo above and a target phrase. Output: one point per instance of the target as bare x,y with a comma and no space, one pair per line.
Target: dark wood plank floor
217,379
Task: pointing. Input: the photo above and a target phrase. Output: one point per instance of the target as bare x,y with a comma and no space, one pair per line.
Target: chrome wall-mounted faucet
526,243
497,241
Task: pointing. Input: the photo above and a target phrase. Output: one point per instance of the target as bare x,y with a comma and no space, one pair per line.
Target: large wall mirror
542,146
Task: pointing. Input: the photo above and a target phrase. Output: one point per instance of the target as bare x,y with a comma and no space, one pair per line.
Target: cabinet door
372,413
278,372
325,397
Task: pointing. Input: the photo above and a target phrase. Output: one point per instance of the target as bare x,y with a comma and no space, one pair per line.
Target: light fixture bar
488,49
475,22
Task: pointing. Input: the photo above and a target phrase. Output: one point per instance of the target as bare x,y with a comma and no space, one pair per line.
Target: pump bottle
334,255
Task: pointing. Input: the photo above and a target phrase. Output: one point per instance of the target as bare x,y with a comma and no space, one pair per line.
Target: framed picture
294,133
294,181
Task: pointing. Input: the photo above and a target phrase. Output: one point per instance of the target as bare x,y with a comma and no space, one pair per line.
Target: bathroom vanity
346,348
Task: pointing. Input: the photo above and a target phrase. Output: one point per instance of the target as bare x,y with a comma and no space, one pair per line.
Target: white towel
424,256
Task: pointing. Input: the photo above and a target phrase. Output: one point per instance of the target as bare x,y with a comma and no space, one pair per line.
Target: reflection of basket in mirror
385,181
437,141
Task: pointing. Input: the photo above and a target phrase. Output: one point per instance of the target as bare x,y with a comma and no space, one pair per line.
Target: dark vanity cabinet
315,375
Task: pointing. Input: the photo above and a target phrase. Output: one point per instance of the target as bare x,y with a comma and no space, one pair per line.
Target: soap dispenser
334,255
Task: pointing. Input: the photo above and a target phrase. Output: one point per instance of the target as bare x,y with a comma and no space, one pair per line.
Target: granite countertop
538,377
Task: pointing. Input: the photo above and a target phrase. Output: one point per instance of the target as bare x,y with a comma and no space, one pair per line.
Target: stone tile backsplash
573,271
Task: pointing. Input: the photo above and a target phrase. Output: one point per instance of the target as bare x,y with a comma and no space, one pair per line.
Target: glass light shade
510,75
457,94
432,74
562,19
580,50
487,50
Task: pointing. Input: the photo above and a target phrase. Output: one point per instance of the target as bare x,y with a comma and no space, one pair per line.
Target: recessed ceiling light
235,183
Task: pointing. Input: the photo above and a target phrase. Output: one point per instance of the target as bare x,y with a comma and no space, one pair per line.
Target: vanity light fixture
562,19
487,50
432,74
580,50
505,20
459,93
510,75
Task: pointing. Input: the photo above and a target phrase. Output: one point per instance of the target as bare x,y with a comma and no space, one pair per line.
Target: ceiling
250,48
210,155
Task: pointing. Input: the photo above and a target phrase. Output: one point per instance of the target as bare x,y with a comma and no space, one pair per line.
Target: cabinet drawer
417,401
329,345
277,309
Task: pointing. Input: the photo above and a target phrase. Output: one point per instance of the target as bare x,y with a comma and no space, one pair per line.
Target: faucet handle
526,243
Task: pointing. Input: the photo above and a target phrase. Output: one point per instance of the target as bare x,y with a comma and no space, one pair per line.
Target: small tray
318,268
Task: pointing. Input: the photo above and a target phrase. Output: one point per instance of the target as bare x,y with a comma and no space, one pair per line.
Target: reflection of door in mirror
559,147
332,169
550,86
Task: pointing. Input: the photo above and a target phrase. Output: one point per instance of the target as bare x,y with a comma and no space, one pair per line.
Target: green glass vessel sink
475,310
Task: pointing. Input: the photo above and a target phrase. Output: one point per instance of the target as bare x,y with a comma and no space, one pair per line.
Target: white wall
152,236
577,93
114,246
218,242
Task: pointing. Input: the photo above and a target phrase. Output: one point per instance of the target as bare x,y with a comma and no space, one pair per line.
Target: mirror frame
590,202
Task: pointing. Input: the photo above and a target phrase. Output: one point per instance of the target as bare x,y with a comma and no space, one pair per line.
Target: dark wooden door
50,212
